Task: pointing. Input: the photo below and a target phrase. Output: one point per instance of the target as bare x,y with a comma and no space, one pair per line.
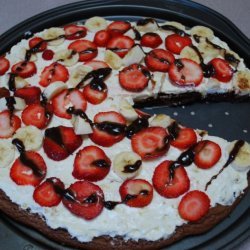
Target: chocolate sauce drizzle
10,102
136,126
55,135
112,128
11,82
145,21
174,29
131,168
81,113
101,163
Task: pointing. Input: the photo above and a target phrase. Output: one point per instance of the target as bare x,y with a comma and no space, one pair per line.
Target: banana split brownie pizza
82,165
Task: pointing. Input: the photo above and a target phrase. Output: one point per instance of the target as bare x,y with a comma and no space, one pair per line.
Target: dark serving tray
231,121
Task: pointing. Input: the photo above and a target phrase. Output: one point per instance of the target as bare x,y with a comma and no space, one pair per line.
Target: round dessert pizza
82,165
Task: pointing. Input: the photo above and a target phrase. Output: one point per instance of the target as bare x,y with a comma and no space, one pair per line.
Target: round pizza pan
231,121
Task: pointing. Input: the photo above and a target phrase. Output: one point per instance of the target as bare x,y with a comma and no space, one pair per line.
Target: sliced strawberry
49,193
84,199
94,96
52,73
142,114
24,69
136,193
194,205
109,128
185,139
9,123
185,72
175,43
37,115
28,169
170,186
117,28
4,65
207,154
159,60
4,92
101,38
150,142
67,98
31,94
134,78
37,44
91,164
95,64
60,142
222,70
73,31
87,50
151,40
48,54
120,45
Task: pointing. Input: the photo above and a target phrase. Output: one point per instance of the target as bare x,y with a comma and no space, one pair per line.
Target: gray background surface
14,11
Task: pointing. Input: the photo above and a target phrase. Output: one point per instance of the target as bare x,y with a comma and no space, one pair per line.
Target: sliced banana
149,26
96,23
207,50
134,55
190,53
127,165
160,120
242,80
242,159
31,137
157,80
229,53
81,127
19,104
67,57
175,24
112,59
20,82
22,54
7,153
130,33
127,110
202,31
53,89
78,74
54,36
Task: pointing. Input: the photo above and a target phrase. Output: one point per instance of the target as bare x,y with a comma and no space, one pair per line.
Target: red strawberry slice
185,139
136,193
120,45
150,142
49,193
60,142
151,40
159,60
24,69
37,115
66,98
207,154
9,123
117,28
87,50
167,186
52,73
4,65
4,92
94,96
73,31
175,43
222,70
185,72
84,199
95,64
101,38
109,128
28,169
31,95
194,205
48,54
37,44
142,114
134,78
91,164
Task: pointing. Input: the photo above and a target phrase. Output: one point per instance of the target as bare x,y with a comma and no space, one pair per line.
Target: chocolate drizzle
81,113
112,128
11,82
136,126
173,130
174,29
55,135
10,102
110,205
132,167
145,21
19,145
101,163
137,34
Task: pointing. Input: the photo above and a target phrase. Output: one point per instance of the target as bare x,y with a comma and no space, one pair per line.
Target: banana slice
19,103
160,120
127,110
127,165
229,53
175,24
112,59
207,50
134,55
130,33
243,80
81,127
54,36
78,74
22,54
54,89
96,23
67,57
242,159
202,31
190,53
7,153
20,82
31,137
149,25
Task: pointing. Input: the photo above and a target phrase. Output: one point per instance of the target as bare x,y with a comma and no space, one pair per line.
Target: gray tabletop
14,11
